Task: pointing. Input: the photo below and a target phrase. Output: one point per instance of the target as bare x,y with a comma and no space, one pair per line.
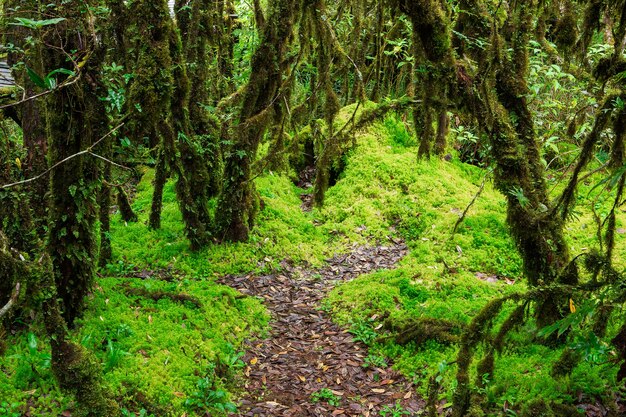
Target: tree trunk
237,204
76,119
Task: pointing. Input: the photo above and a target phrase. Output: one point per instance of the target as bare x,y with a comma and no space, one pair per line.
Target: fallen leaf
254,361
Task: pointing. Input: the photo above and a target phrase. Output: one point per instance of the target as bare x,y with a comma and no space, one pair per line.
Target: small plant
142,413
120,268
362,331
397,132
518,193
207,398
395,411
228,362
10,409
114,356
32,365
326,395
374,361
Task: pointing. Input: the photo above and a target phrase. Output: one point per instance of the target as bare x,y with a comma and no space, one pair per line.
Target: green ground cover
169,355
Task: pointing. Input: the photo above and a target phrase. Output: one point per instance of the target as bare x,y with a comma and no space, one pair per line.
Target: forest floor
309,366
302,319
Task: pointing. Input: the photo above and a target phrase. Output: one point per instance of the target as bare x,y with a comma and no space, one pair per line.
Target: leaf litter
306,352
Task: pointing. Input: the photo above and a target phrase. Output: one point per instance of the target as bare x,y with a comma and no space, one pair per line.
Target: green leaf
32,342
35,24
35,78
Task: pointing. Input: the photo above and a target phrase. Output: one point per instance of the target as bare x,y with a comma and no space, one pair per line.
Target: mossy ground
453,277
154,353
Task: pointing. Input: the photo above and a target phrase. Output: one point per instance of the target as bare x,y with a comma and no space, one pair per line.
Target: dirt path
305,352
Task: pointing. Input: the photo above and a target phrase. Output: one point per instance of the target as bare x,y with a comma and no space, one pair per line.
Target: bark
76,119
237,204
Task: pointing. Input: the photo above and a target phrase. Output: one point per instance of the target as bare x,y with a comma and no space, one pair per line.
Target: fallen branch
9,305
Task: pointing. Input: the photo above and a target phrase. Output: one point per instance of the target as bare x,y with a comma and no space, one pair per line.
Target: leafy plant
207,398
228,362
114,355
35,24
362,331
374,361
32,365
142,413
396,411
326,395
48,81
518,193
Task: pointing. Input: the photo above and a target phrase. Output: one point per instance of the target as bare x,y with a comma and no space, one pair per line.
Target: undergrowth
169,336
451,277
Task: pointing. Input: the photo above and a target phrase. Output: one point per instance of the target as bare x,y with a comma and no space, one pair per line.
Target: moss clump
540,408
566,363
160,295
78,372
422,329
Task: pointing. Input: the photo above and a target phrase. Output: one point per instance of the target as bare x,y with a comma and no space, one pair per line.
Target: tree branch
86,151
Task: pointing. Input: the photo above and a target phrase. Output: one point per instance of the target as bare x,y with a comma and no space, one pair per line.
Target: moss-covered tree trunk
160,93
238,201
75,369
497,101
31,113
76,119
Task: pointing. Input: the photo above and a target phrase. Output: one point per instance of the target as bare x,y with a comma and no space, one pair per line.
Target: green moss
382,185
154,351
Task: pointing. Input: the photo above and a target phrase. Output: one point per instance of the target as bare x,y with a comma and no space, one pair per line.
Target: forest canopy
186,184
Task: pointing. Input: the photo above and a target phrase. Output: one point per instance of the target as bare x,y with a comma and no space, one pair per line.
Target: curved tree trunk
237,204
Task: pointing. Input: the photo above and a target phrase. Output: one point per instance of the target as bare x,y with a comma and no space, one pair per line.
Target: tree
238,203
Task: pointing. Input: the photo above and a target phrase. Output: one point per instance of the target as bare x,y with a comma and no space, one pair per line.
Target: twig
86,151
469,206
9,305
109,161
24,99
